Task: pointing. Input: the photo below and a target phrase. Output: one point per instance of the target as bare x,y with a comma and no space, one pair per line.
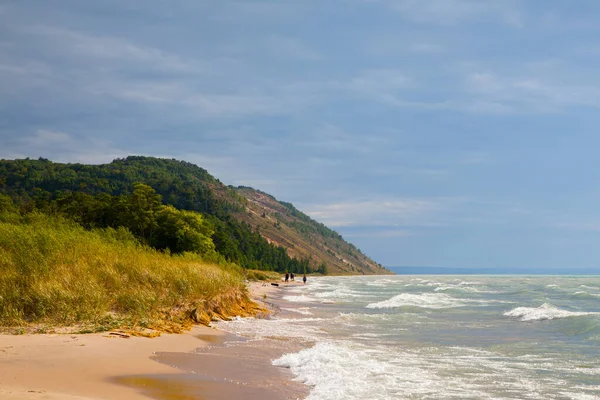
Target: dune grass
55,273
257,275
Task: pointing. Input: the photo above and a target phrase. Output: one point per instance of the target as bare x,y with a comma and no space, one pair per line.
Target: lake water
438,337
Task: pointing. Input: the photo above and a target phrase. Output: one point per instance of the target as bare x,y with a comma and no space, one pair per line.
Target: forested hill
246,226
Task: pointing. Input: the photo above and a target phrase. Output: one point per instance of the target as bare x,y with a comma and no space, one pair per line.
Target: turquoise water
439,337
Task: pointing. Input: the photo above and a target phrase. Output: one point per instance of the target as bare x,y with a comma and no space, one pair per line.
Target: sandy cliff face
282,224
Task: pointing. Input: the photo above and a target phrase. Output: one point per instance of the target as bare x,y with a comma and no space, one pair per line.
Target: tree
140,211
181,231
6,204
323,268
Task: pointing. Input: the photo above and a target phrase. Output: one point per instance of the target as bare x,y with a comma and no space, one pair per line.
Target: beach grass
54,273
257,275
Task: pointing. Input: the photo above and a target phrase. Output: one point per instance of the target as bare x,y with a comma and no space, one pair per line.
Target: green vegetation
177,207
145,243
323,269
256,275
55,272
133,193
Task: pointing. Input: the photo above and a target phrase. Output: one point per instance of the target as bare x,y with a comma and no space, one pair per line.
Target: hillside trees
100,196
165,227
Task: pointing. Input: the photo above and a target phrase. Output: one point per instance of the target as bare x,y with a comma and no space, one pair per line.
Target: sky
458,133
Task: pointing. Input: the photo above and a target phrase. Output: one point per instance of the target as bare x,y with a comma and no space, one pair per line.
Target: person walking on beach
304,279
287,277
292,276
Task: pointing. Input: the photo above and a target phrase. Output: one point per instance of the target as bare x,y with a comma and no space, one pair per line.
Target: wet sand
232,370
229,367
201,364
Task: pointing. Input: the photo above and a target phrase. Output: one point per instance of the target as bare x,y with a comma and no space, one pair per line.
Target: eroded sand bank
104,366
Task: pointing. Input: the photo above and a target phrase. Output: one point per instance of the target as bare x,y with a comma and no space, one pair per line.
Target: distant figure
292,276
287,277
304,279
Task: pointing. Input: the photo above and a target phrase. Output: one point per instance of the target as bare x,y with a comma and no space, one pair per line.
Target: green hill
246,226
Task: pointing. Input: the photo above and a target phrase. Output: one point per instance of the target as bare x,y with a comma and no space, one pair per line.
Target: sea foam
342,371
544,312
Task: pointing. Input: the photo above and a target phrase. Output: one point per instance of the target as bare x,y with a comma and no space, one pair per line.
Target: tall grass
53,271
258,275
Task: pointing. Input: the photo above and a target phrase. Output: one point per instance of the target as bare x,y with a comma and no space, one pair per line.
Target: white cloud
525,93
431,48
331,138
291,47
43,137
113,48
448,12
577,226
64,147
397,211
378,80
384,233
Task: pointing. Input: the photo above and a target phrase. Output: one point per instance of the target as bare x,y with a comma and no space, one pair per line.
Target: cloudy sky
458,133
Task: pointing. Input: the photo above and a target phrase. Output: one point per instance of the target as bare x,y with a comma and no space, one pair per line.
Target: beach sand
82,366
105,366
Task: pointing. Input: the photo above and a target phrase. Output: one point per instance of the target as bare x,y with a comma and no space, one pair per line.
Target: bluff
251,227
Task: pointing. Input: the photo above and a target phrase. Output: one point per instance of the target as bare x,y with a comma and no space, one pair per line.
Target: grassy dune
55,273
256,275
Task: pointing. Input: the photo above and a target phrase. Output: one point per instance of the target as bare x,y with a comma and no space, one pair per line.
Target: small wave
341,293
459,289
552,286
382,282
544,312
258,328
299,299
585,295
344,317
301,310
425,300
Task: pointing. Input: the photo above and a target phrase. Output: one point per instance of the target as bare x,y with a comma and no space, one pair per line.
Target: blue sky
454,133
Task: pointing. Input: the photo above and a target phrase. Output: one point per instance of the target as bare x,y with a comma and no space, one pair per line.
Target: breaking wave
424,300
544,312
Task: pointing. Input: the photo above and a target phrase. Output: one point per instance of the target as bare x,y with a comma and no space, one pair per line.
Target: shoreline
104,366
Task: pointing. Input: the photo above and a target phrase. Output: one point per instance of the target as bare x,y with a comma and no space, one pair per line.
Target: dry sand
86,367
81,366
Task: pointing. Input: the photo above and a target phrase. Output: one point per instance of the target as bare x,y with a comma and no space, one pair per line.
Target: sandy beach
109,366
82,366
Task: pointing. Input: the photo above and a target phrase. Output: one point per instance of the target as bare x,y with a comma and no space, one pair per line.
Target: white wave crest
424,300
382,282
339,371
299,299
585,295
258,328
341,293
301,310
544,312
